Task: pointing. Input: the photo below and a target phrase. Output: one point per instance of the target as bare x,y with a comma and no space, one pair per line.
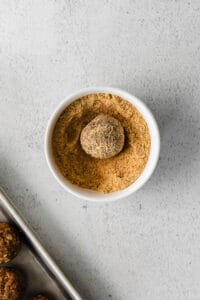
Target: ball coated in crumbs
103,137
12,284
10,242
39,297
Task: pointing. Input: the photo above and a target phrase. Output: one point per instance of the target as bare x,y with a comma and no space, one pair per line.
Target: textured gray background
144,247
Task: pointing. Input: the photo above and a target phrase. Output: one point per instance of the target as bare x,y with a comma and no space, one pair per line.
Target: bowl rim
146,173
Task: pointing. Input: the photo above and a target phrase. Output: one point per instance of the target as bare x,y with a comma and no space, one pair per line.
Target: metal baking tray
43,274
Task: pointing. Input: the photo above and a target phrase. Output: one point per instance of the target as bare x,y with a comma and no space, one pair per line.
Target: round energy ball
39,297
12,284
10,242
103,137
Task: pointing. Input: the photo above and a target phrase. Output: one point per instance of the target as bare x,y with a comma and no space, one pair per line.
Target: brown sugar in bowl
58,140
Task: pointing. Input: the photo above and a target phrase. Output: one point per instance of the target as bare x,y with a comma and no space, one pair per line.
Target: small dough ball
12,284
103,137
39,297
10,242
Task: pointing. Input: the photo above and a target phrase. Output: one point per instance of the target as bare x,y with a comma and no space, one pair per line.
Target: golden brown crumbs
10,242
12,284
102,175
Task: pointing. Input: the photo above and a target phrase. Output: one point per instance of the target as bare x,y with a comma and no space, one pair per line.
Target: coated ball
10,242
103,137
12,284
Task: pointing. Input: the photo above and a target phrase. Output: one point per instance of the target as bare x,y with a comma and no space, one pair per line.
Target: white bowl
149,168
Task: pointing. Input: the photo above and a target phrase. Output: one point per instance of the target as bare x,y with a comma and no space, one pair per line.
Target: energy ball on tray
12,284
103,137
39,297
10,242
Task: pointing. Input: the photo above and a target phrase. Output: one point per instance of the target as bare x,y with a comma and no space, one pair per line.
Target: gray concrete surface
146,247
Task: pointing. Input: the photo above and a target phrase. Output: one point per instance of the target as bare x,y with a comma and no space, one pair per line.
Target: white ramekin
150,166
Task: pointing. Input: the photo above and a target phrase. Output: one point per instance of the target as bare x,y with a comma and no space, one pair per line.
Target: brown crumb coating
102,175
10,242
39,297
12,284
103,137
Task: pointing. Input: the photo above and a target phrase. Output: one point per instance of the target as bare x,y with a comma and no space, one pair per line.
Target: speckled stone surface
144,247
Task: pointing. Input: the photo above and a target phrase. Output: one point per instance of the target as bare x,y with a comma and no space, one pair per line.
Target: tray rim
44,255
